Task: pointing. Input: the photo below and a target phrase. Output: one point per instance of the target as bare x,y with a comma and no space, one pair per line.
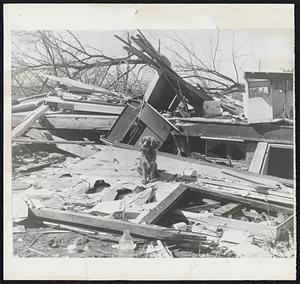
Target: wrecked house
230,139
243,140
76,109
219,191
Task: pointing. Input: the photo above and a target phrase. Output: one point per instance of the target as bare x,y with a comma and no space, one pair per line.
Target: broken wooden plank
251,193
27,122
143,197
198,208
259,179
145,231
103,108
24,141
253,188
257,229
90,233
58,120
258,158
154,214
27,106
230,197
227,209
78,86
236,130
162,251
31,97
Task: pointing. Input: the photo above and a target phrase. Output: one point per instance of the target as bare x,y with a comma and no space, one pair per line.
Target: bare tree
64,54
206,73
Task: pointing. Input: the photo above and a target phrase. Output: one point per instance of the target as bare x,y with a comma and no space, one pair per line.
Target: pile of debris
69,106
190,214
75,196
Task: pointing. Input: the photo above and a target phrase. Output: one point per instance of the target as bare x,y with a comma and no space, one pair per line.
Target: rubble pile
83,196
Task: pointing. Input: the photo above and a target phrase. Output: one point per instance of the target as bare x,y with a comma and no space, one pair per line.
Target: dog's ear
142,141
145,139
154,143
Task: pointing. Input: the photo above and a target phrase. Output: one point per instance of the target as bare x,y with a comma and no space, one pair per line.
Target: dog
148,167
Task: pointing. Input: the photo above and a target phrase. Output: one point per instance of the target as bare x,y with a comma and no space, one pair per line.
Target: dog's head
148,143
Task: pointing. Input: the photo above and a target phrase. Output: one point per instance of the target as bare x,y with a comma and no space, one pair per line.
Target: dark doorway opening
280,162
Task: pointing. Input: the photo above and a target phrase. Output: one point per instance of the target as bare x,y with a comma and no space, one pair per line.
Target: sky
270,50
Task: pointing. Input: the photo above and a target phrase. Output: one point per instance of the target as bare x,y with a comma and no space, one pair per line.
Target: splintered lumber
144,197
257,229
24,141
227,209
159,250
29,120
31,97
253,188
82,87
259,179
58,120
251,192
103,108
156,213
198,208
142,230
26,106
258,158
239,199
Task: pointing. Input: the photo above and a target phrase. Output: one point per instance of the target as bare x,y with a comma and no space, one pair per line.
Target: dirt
44,247
56,245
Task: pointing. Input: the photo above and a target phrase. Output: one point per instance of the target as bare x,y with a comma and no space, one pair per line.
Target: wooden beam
32,97
227,209
234,198
263,132
104,108
257,229
25,141
70,121
27,106
198,208
254,180
258,157
154,214
29,120
142,230
263,189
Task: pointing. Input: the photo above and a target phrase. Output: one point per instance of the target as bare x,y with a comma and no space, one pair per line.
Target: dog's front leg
152,171
144,173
